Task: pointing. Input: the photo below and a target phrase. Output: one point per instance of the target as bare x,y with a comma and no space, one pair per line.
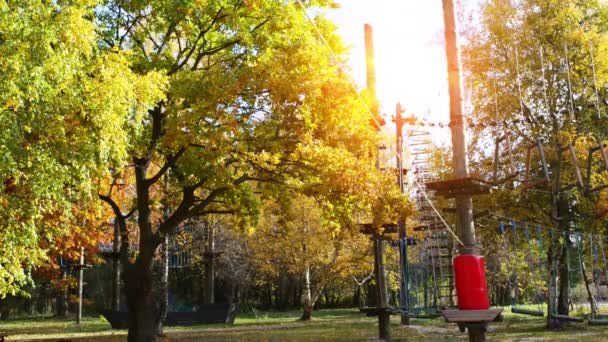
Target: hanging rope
553,279
570,96
534,273
447,226
514,308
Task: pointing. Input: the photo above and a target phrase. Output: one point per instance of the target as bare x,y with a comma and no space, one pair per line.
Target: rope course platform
472,316
451,188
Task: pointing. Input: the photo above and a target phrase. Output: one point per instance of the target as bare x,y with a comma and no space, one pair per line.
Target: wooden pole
384,330
399,122
464,203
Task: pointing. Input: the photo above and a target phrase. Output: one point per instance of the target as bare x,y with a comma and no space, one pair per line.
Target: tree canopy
65,108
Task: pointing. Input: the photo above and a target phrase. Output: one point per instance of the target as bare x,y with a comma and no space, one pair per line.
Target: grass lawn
327,325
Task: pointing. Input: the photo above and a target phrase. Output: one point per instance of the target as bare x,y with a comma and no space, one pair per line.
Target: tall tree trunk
140,300
139,280
564,283
233,295
552,262
116,267
307,303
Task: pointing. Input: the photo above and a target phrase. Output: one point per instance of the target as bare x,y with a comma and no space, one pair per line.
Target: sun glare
409,53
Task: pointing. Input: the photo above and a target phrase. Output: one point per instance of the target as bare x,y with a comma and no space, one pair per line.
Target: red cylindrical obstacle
471,287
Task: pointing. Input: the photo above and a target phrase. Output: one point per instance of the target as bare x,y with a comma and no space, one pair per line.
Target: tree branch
168,164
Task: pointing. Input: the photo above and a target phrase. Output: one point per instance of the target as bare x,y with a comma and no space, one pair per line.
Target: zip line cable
373,116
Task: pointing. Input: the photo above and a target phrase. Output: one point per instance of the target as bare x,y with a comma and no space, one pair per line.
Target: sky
411,65
409,51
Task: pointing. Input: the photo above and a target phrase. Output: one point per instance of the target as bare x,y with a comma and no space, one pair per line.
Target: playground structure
534,174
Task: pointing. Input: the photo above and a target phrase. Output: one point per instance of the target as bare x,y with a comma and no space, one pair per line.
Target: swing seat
536,313
567,318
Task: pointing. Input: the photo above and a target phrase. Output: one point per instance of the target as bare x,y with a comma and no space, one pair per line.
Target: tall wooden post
384,331
399,122
464,203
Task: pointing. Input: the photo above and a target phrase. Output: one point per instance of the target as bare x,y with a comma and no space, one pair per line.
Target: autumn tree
65,108
539,68
251,91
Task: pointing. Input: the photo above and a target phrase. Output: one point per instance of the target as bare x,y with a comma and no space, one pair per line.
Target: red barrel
471,287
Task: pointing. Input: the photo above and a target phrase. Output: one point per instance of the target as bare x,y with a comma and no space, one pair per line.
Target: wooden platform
472,316
461,186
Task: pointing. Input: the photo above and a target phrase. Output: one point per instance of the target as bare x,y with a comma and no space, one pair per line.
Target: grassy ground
327,325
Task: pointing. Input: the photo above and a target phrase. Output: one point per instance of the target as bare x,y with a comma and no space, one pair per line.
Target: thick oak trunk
116,268
307,311
142,306
143,310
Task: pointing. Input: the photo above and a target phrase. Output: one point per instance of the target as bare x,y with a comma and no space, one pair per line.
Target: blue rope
531,261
